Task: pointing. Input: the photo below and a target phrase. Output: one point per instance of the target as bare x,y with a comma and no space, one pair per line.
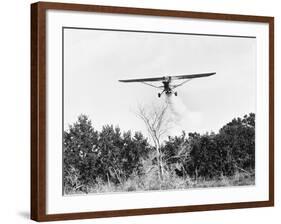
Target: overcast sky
95,60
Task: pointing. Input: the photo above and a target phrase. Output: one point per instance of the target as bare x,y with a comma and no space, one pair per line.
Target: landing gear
159,95
176,93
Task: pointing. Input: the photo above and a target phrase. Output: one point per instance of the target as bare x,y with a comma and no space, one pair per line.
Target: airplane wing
192,76
144,80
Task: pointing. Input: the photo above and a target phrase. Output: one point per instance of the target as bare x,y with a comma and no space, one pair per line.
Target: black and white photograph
157,111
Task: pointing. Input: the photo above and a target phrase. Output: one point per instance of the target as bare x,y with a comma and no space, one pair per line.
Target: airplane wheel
159,95
176,93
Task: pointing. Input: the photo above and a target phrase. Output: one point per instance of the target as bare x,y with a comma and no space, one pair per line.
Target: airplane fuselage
167,88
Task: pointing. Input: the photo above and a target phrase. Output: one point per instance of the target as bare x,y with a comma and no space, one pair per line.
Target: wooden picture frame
39,87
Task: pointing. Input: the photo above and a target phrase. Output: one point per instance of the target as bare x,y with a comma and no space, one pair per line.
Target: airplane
167,87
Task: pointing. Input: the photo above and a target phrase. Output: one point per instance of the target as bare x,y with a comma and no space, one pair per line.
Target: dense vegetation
112,160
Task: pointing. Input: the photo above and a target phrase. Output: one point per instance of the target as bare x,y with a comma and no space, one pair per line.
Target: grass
170,181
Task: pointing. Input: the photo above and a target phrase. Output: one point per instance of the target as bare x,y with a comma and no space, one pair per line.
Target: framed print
143,111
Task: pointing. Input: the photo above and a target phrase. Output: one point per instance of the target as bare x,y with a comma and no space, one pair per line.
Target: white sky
95,60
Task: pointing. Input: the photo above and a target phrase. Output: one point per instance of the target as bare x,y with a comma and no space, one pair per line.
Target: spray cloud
180,116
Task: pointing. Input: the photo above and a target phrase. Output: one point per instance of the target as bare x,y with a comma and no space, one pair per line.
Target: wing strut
151,85
175,86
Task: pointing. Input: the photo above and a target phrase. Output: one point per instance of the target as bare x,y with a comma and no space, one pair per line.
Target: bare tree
157,123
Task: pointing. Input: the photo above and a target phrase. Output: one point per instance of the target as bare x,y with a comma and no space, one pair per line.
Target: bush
111,160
